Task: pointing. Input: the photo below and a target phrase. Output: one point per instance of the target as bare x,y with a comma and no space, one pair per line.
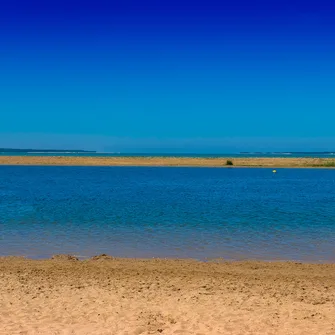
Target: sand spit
107,295
167,161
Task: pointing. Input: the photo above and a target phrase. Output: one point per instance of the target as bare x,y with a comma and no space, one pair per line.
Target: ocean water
200,213
236,155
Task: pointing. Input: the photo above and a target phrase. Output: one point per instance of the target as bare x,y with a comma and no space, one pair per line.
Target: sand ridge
167,161
107,295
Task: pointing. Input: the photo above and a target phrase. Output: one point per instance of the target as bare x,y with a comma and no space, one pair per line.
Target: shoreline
255,162
205,260
220,260
105,295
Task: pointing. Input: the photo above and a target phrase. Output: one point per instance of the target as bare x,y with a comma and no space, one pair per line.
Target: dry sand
166,161
120,296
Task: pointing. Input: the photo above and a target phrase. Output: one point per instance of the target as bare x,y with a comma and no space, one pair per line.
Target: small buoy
274,171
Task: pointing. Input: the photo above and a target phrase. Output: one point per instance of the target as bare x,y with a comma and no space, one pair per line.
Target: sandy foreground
166,161
125,296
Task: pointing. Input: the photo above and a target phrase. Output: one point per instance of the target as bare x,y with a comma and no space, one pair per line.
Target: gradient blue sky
168,75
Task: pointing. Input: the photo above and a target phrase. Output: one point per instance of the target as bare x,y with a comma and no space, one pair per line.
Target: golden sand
166,161
125,296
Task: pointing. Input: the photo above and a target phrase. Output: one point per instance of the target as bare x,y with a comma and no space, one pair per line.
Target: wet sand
167,161
125,296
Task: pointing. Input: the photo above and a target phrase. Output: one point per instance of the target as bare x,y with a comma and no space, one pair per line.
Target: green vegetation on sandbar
329,163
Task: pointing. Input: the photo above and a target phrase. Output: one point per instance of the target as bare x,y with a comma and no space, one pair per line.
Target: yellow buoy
274,171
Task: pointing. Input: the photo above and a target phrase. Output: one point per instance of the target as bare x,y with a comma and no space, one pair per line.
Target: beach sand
125,296
167,161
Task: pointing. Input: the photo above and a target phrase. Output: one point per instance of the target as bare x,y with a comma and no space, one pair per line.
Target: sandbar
168,161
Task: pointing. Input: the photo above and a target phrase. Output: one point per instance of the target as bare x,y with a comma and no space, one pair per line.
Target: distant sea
201,213
244,154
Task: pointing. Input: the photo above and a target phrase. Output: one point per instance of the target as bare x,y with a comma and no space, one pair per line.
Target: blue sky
172,75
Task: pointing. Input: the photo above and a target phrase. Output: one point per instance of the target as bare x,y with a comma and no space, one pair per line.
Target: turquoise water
103,154
168,212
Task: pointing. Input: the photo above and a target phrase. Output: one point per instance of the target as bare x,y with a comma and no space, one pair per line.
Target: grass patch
229,162
329,163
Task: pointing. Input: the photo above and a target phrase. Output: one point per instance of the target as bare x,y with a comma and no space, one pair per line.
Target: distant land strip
170,161
10,150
